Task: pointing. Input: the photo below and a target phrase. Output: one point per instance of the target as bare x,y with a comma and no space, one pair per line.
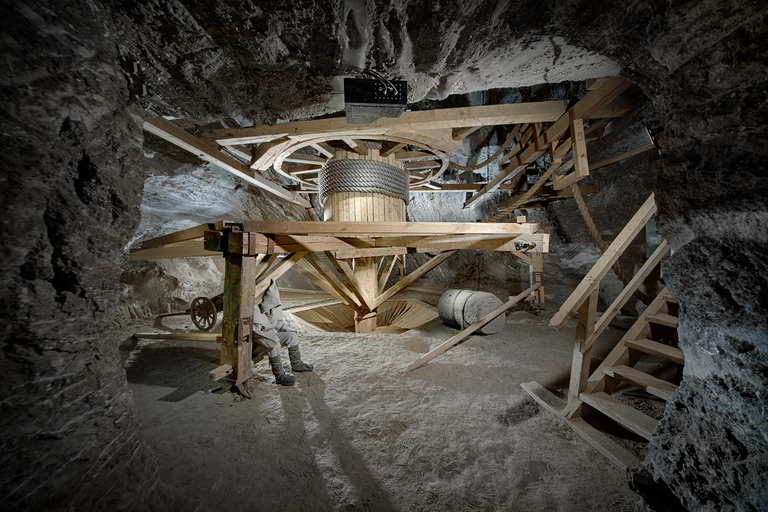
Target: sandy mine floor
357,434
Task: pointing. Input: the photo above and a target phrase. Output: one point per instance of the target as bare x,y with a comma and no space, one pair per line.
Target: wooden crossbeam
584,109
592,280
263,155
333,279
628,290
186,249
281,268
617,158
386,228
410,278
308,271
183,235
175,135
387,272
351,279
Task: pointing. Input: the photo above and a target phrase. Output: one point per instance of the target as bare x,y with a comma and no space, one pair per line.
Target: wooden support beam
237,319
333,279
469,330
603,265
385,275
615,453
462,133
265,263
305,269
584,109
305,158
386,228
263,156
582,354
351,279
183,235
410,278
187,249
393,147
275,273
372,252
628,290
175,135
324,149
410,156
417,121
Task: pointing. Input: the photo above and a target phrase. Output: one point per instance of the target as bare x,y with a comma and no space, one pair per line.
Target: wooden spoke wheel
303,160
203,313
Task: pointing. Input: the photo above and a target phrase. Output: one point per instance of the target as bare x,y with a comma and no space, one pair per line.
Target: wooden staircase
653,335
619,367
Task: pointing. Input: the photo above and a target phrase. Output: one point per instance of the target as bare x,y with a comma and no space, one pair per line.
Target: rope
363,176
510,207
599,239
490,159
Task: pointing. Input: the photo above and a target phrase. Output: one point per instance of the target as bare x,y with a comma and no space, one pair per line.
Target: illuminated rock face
74,169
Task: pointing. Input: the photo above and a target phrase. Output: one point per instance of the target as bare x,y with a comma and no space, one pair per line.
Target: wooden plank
632,419
175,135
373,252
606,261
584,109
332,279
305,269
220,372
187,249
416,121
655,348
264,264
385,275
453,340
324,149
462,133
580,162
664,319
642,380
620,353
582,355
410,278
275,273
409,156
183,235
615,453
423,164
264,155
305,158
628,290
392,148
185,336
386,228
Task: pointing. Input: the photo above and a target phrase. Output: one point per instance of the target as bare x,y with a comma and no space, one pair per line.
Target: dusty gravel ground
358,434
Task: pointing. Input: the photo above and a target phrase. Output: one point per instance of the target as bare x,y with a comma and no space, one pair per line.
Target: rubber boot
297,365
282,377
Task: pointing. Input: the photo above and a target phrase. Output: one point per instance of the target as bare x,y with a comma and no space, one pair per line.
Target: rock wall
75,77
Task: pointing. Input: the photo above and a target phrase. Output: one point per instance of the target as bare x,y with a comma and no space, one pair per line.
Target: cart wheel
203,313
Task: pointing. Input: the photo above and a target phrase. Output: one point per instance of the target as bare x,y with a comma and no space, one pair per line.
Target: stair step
634,420
642,380
657,349
663,319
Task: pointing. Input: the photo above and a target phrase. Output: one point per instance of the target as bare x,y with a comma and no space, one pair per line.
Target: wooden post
237,323
582,354
536,269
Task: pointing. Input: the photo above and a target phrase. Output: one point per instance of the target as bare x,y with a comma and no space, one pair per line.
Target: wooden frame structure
325,252
589,390
421,140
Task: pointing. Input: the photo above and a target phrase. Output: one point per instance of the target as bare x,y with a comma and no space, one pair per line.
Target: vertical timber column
239,289
367,188
537,275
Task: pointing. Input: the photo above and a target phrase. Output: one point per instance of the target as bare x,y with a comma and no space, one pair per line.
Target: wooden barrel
462,308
